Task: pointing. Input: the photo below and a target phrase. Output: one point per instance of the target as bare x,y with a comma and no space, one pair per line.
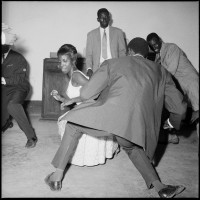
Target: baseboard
33,107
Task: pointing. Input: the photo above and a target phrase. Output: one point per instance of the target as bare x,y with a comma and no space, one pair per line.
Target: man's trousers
11,104
136,154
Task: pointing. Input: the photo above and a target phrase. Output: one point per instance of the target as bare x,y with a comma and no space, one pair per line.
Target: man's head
7,38
138,46
154,41
103,17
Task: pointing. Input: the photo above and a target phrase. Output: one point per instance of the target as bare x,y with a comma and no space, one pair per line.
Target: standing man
131,91
15,87
176,62
103,43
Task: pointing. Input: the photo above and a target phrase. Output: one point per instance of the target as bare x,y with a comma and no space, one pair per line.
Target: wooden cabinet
53,79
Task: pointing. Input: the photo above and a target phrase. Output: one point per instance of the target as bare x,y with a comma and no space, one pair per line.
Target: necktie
104,45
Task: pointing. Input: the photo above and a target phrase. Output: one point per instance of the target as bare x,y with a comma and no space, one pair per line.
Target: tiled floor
24,170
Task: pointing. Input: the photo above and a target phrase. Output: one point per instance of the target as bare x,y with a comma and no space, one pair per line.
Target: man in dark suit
15,88
115,43
132,91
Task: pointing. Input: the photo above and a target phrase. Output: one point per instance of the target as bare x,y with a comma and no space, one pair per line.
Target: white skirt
91,150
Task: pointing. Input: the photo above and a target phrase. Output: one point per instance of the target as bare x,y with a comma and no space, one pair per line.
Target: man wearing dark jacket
15,88
132,91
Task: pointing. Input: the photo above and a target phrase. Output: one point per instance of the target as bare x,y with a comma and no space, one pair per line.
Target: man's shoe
168,136
8,124
170,191
54,185
173,138
31,143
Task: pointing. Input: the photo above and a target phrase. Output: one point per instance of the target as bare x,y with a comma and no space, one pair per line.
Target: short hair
69,50
139,45
151,36
101,11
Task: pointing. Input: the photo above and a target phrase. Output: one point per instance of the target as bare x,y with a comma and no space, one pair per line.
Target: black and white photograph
100,99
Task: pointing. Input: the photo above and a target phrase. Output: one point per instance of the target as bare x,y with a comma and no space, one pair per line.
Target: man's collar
6,54
107,28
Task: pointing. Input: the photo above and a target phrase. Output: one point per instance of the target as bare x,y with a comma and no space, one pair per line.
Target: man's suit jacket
93,46
177,63
14,70
131,96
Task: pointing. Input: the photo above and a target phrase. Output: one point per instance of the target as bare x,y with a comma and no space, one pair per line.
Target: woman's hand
55,95
66,102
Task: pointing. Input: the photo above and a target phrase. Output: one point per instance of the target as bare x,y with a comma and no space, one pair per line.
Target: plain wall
43,26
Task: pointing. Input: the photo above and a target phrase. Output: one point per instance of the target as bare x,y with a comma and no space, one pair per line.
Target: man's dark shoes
172,136
54,185
8,124
168,136
31,143
170,191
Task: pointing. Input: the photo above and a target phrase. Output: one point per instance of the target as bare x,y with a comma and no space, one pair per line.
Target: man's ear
98,19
